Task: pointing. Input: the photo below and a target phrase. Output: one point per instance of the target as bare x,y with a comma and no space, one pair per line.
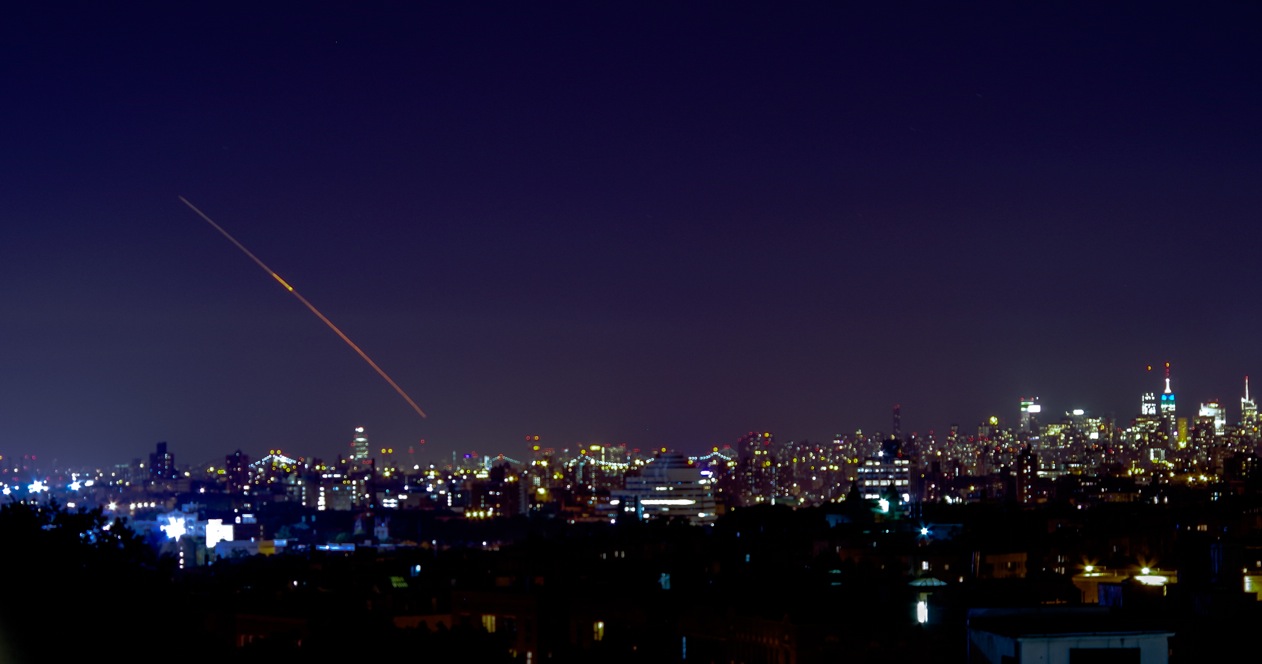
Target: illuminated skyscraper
1030,409
1150,431
237,470
359,447
1248,409
756,469
1026,471
670,487
1214,410
162,464
1167,409
886,476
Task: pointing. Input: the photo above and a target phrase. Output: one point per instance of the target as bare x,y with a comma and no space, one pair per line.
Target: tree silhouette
77,581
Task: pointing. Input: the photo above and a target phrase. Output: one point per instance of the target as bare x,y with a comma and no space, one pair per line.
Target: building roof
1060,621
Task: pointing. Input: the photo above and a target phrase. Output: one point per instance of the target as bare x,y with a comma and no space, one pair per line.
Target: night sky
658,223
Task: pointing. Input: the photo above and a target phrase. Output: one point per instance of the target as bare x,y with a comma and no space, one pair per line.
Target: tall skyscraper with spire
1248,411
1168,419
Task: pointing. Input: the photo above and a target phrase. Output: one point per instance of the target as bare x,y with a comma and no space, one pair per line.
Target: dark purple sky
663,224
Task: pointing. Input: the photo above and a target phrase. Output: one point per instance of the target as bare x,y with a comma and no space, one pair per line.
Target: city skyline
361,441
658,225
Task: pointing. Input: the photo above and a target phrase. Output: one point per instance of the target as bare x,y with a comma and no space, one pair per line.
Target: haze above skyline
664,225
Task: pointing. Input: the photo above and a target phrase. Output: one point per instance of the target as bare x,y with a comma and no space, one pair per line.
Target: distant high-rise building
1026,472
670,487
236,471
897,421
1168,417
336,491
1215,411
1248,409
757,469
359,448
162,464
886,475
1030,409
1148,404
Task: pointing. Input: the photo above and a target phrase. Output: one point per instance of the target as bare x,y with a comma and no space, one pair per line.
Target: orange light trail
315,311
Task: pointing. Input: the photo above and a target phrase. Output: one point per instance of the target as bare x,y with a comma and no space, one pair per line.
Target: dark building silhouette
162,464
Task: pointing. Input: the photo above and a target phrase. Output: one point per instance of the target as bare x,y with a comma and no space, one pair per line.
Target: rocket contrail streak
303,300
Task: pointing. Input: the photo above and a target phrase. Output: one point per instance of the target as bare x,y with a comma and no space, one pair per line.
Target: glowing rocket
303,300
